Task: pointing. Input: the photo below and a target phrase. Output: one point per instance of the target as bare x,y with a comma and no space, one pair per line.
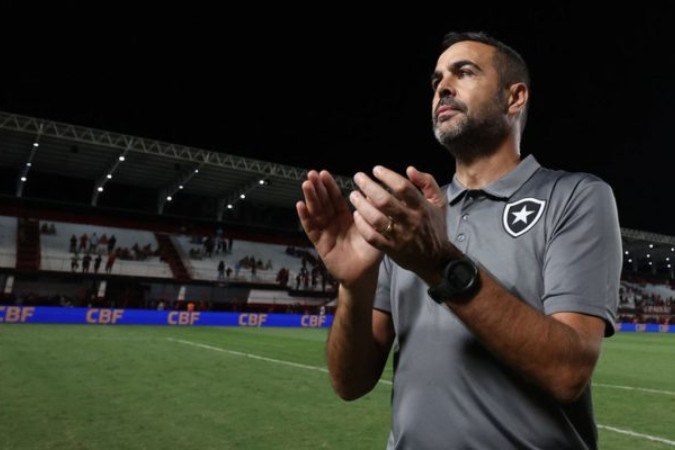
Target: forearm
355,356
550,352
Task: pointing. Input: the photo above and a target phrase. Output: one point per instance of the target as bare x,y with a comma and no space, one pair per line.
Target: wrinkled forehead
475,52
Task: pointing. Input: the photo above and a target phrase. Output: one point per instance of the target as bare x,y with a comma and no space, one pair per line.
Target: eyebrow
454,67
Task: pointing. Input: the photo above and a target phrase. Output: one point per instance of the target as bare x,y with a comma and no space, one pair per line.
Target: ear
518,97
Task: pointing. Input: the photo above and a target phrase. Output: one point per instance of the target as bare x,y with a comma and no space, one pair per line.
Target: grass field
135,387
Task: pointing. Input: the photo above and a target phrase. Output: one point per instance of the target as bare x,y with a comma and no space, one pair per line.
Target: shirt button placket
462,238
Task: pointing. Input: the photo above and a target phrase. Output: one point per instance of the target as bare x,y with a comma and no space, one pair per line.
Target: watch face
462,275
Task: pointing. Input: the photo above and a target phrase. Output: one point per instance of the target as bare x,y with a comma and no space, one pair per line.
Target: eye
461,73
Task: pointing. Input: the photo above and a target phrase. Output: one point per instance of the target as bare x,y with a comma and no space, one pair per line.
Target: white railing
245,275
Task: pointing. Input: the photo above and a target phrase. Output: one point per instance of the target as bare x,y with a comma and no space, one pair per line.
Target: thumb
426,183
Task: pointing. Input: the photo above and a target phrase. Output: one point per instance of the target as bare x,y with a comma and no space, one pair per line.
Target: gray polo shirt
552,239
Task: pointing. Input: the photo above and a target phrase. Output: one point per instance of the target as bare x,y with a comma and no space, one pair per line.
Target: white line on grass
258,357
630,388
249,355
639,435
323,369
112,338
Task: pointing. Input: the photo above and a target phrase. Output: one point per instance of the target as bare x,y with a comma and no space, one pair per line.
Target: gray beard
473,138
476,136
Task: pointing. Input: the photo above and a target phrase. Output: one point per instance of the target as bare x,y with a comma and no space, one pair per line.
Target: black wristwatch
460,279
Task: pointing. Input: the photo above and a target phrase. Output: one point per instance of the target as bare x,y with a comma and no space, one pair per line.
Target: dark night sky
345,91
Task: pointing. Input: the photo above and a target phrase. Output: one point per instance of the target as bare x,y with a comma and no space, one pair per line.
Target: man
496,292
97,263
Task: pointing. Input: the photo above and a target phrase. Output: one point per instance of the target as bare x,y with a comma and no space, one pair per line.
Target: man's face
469,104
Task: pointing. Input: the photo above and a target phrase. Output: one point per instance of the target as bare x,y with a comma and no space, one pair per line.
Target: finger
367,211
321,191
301,208
378,196
316,196
369,234
333,191
312,201
426,183
303,214
399,186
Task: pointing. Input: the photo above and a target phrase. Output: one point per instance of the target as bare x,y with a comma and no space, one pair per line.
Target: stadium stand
131,258
178,203
269,259
646,302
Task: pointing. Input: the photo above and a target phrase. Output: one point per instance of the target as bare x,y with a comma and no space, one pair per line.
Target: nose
445,88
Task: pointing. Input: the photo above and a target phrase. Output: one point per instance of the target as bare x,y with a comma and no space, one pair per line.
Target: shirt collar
502,188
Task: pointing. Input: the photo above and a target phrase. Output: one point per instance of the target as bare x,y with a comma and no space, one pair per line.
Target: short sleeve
582,267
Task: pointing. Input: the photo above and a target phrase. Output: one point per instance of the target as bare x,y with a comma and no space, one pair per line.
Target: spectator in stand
83,242
147,250
73,244
74,262
209,244
97,263
44,228
86,262
93,242
109,263
221,270
229,245
111,243
228,271
220,240
52,229
136,249
282,277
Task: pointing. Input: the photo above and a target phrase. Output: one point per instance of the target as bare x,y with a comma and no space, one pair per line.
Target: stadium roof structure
646,252
31,144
